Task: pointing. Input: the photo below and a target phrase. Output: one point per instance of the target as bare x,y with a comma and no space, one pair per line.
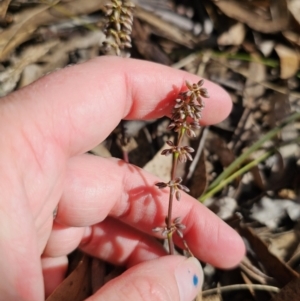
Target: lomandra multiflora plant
118,27
185,117
186,112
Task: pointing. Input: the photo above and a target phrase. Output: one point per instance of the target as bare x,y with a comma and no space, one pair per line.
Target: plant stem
169,222
186,114
234,165
234,176
229,173
171,196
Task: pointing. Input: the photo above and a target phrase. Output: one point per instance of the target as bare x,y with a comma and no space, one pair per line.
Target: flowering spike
185,115
118,25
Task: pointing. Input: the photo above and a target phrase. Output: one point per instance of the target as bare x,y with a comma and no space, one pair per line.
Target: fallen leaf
3,8
98,270
76,287
273,265
10,77
234,36
253,88
294,8
289,61
198,182
283,244
290,292
28,21
164,28
237,11
59,56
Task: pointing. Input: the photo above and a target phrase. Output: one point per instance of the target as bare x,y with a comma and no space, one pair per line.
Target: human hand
105,206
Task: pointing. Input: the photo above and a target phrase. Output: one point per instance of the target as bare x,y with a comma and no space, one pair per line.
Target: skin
105,206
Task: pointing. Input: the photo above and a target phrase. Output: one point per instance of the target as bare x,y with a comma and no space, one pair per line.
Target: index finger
82,104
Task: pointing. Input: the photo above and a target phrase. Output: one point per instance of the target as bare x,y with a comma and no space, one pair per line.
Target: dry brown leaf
198,181
293,262
59,56
289,61
24,25
98,270
290,292
237,11
216,145
294,8
10,77
164,28
292,37
28,21
234,36
283,244
287,194
253,88
76,287
266,84
3,8
274,266
147,48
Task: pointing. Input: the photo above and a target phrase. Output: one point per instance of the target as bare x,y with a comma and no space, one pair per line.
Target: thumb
169,278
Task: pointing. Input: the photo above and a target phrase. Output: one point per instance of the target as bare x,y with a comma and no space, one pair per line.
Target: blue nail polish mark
195,280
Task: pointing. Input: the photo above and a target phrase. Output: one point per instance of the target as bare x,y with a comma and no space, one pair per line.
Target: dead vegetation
246,169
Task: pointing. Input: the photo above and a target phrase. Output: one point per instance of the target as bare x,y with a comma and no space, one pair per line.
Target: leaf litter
251,48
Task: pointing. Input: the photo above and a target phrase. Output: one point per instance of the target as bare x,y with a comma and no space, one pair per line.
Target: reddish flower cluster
186,115
176,225
182,151
190,103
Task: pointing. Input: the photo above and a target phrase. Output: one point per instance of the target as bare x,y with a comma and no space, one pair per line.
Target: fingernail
189,276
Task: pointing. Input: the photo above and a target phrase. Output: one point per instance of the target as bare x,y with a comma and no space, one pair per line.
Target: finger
90,99
120,244
109,240
63,240
169,278
54,271
128,193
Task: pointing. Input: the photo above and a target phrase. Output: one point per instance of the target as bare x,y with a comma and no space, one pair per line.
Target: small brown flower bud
161,185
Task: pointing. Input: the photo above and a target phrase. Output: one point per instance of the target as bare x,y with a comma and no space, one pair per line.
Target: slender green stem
188,105
171,196
238,173
238,287
234,165
169,222
229,174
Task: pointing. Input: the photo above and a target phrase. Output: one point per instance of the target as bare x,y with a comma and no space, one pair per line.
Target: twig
236,287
